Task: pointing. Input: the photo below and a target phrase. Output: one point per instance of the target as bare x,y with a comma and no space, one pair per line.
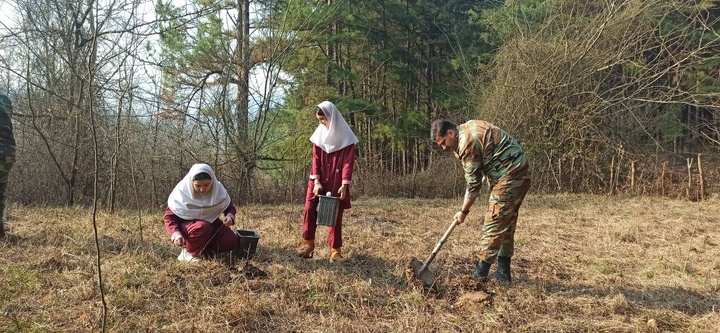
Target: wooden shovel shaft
437,247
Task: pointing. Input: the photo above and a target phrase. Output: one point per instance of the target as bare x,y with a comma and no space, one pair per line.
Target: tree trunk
242,64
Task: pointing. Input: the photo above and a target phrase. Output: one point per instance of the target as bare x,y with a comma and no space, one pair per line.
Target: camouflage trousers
500,220
6,163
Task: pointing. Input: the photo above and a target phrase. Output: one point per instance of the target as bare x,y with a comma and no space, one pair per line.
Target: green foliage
412,125
392,66
357,105
383,132
172,27
17,280
289,147
173,45
513,19
210,41
409,126
670,126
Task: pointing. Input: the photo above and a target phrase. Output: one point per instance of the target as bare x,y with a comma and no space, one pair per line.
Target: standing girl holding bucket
332,165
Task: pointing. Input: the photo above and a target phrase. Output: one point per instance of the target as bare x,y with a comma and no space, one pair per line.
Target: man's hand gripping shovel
420,270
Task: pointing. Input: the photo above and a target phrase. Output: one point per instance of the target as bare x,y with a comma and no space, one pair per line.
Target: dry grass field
582,264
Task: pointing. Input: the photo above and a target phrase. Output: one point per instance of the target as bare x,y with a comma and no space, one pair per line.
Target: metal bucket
327,210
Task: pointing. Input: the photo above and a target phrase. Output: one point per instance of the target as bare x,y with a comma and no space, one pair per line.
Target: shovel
420,270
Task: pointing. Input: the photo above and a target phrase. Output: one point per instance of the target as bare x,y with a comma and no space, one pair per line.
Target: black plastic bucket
247,245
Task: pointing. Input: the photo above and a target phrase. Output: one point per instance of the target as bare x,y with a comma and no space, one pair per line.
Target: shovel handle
438,247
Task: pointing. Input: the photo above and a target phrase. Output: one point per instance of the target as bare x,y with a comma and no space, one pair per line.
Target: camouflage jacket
485,149
7,140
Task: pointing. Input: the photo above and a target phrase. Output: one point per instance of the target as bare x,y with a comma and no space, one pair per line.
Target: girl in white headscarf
192,217
332,165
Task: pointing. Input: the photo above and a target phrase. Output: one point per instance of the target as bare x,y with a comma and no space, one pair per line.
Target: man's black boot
503,270
482,269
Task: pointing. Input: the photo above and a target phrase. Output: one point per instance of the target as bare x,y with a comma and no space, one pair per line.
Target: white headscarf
188,204
337,135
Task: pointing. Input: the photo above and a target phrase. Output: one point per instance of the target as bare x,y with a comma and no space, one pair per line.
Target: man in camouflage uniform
489,152
7,152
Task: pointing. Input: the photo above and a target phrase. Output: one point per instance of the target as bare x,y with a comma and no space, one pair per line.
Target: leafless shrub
600,86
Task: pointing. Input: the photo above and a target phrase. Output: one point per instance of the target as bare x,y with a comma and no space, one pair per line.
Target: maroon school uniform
333,170
202,237
193,214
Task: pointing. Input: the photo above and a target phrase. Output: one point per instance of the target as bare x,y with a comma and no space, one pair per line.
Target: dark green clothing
7,140
485,149
7,152
501,217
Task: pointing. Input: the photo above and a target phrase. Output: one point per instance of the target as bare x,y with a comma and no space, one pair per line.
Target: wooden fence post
572,174
612,175
702,178
689,162
632,176
560,173
662,179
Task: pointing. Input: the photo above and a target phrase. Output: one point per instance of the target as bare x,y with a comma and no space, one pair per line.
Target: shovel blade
426,276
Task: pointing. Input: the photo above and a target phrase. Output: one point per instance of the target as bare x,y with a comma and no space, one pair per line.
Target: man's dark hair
440,128
202,176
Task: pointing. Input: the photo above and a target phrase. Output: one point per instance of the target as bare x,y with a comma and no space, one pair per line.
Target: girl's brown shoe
307,248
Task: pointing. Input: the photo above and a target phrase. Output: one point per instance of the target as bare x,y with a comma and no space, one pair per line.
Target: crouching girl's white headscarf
336,136
188,204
